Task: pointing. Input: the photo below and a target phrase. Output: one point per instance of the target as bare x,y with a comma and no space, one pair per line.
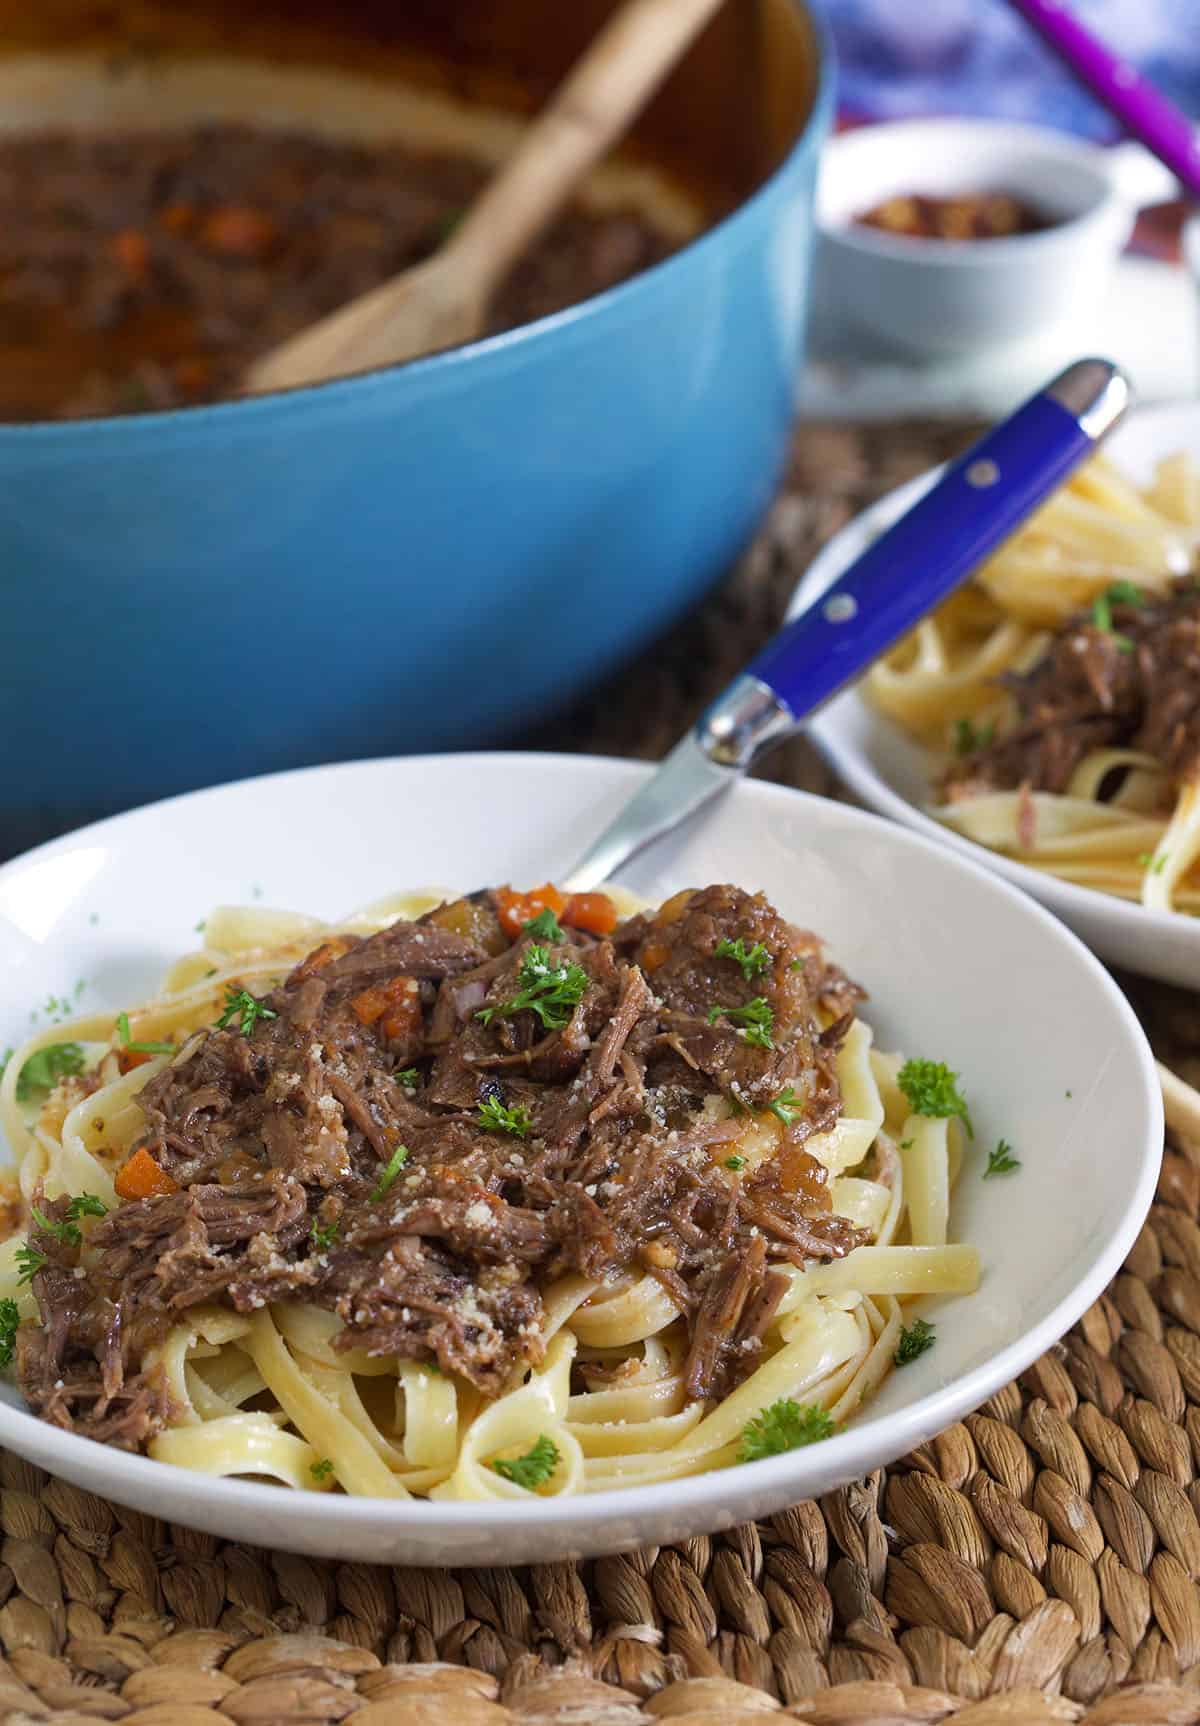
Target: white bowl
891,773
961,968
932,297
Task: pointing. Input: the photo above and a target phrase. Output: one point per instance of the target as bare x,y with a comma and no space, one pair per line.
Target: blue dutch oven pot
430,556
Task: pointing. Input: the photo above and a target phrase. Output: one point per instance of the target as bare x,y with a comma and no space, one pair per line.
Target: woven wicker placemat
1037,1562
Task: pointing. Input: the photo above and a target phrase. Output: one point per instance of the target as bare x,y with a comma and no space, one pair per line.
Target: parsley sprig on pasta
534,1468
786,1425
932,1089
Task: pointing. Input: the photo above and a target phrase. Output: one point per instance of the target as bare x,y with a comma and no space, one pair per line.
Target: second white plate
891,774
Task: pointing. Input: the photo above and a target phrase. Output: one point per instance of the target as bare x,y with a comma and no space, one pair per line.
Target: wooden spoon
444,301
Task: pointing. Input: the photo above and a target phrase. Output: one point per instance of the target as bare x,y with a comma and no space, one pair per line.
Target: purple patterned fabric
900,58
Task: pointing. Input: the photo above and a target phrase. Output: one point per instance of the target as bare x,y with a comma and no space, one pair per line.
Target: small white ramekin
938,297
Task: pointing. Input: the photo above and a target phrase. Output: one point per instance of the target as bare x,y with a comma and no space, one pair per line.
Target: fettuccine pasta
194,1282
1059,692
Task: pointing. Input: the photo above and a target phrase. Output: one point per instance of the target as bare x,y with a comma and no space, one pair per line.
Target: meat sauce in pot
147,270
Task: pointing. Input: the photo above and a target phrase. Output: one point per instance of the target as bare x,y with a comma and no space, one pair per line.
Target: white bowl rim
1054,146
1067,899
850,1452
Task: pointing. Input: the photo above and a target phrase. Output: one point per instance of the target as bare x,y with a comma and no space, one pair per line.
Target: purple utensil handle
1141,108
911,568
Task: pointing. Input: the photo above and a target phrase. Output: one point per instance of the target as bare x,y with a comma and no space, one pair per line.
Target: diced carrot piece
142,1178
321,956
177,217
238,231
402,1020
652,955
594,912
672,909
373,1003
131,249
128,1059
517,909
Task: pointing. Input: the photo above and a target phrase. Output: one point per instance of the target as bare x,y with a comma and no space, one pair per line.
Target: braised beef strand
1127,679
575,1133
147,270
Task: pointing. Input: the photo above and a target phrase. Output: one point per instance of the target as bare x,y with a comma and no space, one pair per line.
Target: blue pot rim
360,389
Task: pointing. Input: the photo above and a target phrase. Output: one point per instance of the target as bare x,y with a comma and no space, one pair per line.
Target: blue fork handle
974,506
971,510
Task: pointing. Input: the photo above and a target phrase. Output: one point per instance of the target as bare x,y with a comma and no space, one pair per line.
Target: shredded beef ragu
146,270
278,1140
1134,686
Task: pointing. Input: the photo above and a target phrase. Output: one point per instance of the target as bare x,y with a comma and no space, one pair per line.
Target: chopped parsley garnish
968,738
907,1144
140,1048
87,1205
932,1089
736,1163
784,1426
388,1173
751,959
10,1318
1156,865
1001,1161
1125,593
240,1004
321,1470
30,1261
786,1105
551,991
800,964
498,1118
65,1232
409,1078
1102,615
756,1019
5,1057
530,1470
916,1339
325,1237
545,926
201,926
46,1067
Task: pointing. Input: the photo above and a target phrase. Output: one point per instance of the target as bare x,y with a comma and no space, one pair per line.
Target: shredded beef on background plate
1127,678
281,1143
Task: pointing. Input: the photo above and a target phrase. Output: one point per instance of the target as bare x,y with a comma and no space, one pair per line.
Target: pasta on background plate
504,1195
1059,692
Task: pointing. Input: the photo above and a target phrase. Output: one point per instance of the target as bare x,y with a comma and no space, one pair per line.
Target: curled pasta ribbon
204,1336
630,1315
920,697
647,1410
357,1463
513,1424
1176,854
243,1444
